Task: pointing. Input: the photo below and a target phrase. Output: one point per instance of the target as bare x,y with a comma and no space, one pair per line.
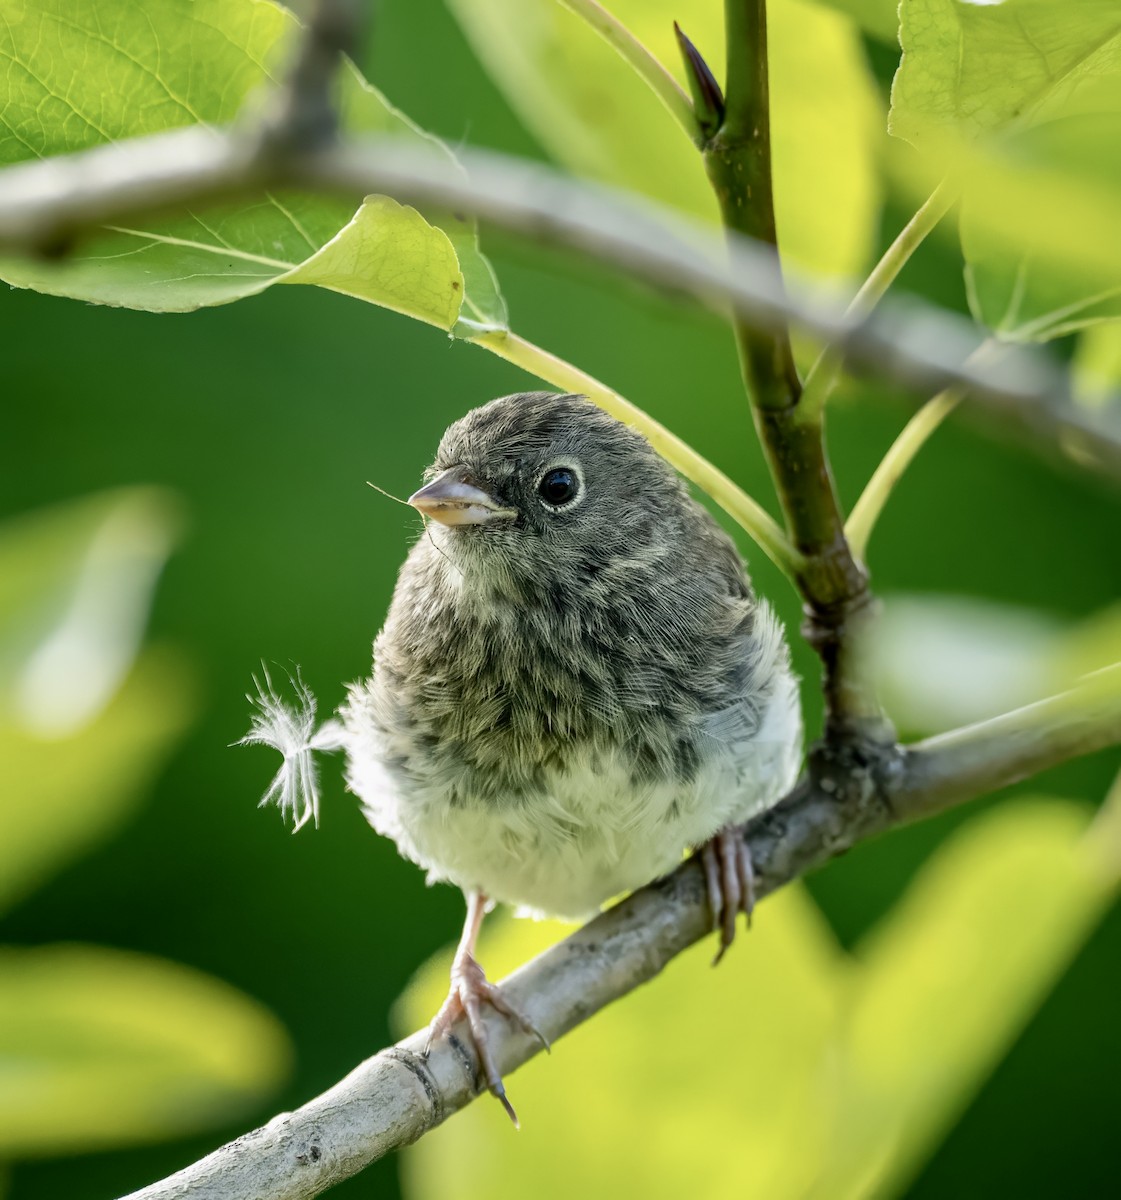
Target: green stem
825,372
832,583
738,160
866,511
648,68
747,513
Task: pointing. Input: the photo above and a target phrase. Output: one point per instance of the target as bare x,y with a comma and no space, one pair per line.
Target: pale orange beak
452,499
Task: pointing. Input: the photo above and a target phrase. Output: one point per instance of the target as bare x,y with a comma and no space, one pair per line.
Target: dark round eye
558,486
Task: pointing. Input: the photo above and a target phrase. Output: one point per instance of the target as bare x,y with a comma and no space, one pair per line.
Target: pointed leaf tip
708,99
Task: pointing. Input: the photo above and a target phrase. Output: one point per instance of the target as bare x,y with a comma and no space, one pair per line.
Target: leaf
411,271
1039,229
594,115
62,797
948,981
973,66
101,1048
626,1103
76,583
817,1073
76,749
84,73
1097,366
1040,80
944,661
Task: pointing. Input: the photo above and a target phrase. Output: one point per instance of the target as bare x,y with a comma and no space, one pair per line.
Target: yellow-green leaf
597,117
82,73
832,1076
1097,366
390,254
1039,83
948,981
972,66
76,582
61,797
629,1103
101,1048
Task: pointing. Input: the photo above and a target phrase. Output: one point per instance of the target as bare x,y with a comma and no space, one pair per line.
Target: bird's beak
452,499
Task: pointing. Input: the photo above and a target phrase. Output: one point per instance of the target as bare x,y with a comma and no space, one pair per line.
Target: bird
574,688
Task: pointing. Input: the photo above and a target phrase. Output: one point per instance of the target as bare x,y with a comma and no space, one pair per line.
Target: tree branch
398,1095
823,375
46,206
305,116
833,583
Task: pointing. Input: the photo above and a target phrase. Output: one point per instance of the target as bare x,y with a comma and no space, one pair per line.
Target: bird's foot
470,989
730,882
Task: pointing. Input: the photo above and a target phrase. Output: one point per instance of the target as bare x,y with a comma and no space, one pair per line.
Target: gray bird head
536,481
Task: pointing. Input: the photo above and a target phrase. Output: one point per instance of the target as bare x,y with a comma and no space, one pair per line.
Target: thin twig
826,370
395,1097
866,511
644,63
305,116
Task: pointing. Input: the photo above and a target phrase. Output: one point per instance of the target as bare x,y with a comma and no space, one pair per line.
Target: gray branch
47,206
395,1097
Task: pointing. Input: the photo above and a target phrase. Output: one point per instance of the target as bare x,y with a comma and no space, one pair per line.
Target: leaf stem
866,512
746,512
862,520
825,372
645,65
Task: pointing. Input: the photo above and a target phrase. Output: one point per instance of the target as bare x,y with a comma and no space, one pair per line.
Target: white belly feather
590,833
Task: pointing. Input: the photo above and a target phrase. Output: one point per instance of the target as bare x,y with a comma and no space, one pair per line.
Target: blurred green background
266,419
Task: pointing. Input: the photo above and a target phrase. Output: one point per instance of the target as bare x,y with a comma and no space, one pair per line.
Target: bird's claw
730,883
470,989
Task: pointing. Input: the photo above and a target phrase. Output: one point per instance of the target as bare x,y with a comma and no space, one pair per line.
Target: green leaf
594,115
100,1048
831,1075
1039,229
623,1106
949,980
63,797
76,583
1040,80
393,248
86,72
77,749
945,661
1097,366
971,66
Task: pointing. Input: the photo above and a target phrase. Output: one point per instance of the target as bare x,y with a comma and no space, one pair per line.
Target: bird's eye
559,486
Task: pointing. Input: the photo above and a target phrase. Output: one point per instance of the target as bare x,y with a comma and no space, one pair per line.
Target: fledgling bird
574,686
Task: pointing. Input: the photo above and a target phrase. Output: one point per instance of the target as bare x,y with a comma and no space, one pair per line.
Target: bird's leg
730,882
469,989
